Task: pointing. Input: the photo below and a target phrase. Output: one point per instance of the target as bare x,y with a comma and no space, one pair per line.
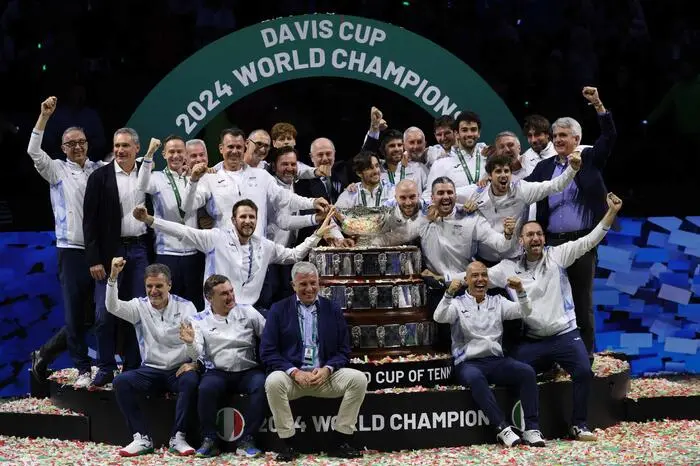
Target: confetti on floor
33,406
658,442
660,387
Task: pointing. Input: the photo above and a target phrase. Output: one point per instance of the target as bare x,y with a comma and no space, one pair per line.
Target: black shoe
345,450
39,366
288,453
102,378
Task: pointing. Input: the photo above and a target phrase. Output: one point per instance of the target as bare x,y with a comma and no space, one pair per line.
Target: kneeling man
157,319
314,366
477,328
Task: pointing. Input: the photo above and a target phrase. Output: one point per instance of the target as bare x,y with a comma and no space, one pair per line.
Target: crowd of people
190,266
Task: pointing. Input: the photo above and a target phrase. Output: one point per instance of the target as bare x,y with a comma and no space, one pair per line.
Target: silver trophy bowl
363,223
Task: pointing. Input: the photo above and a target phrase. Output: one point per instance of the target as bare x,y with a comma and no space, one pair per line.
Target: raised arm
195,198
516,310
501,242
203,240
446,312
144,179
47,168
127,310
608,134
531,192
282,255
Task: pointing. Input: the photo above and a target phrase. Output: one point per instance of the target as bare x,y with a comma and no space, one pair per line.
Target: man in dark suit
327,187
573,213
305,349
111,231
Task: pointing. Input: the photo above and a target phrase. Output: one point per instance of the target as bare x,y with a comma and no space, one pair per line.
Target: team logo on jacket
229,424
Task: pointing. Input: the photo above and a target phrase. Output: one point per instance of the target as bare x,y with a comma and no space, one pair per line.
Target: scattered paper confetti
658,442
399,359
660,387
34,406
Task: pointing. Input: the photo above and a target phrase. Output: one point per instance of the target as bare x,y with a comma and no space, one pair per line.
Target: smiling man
399,166
372,191
477,329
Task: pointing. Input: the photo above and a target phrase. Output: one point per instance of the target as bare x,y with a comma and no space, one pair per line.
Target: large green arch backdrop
316,45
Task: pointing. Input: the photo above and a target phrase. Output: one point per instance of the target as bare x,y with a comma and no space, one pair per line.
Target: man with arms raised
226,339
238,252
157,320
305,349
551,334
67,180
236,181
477,328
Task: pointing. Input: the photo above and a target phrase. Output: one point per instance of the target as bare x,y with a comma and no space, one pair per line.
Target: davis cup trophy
379,289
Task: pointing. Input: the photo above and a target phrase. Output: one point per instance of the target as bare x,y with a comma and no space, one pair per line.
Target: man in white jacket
157,319
477,328
551,331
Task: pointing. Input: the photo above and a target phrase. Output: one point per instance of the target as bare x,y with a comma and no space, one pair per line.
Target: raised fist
575,160
141,214
118,264
614,202
153,146
516,284
376,119
591,95
198,171
48,106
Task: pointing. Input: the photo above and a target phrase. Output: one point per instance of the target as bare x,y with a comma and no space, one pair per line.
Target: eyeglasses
261,145
73,144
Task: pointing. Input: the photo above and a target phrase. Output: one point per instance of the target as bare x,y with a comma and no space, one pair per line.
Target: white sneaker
533,438
179,445
583,434
140,446
508,437
83,381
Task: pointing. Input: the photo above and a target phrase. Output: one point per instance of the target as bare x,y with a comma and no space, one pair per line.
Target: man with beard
414,144
445,137
465,165
507,144
504,198
166,188
157,320
537,129
398,164
372,191
226,338
477,324
551,335
237,251
573,213
236,180
67,180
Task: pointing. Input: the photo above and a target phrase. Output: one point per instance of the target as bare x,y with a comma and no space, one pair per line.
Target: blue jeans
187,273
131,285
569,351
216,383
147,380
479,373
76,286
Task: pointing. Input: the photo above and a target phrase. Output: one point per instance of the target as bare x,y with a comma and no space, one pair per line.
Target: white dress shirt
227,342
158,332
479,325
547,284
67,181
158,184
226,256
452,168
221,190
130,196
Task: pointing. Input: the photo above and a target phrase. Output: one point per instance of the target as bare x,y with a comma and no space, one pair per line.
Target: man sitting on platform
551,333
477,328
314,366
157,320
226,337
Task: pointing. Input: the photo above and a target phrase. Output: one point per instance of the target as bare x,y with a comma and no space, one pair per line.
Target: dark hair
213,281
280,129
536,123
154,270
496,160
235,132
522,227
172,137
362,161
445,120
276,153
244,203
389,135
467,116
442,179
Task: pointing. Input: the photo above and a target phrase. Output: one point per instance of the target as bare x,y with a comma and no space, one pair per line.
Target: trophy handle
348,297
382,263
357,259
336,264
373,294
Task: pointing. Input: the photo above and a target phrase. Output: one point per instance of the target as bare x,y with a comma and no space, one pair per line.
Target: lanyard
178,199
466,169
250,261
391,174
314,326
377,200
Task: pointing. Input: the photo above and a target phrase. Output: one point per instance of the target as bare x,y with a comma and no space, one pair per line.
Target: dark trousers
76,286
570,353
187,273
581,274
131,285
216,383
55,345
147,380
479,373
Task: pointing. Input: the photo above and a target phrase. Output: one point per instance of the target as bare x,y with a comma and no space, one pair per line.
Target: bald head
407,197
477,278
322,152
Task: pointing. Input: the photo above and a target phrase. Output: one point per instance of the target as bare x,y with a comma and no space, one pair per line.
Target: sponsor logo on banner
229,424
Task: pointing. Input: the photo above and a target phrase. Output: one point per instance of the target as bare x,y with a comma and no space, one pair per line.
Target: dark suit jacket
102,217
589,179
281,346
315,188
